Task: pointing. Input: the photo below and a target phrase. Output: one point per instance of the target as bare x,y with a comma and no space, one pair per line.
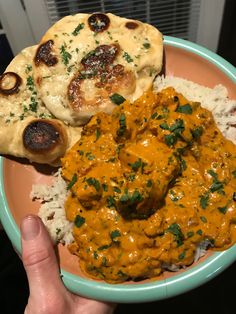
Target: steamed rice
52,210
53,198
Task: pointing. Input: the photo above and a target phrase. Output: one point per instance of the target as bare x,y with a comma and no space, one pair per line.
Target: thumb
39,259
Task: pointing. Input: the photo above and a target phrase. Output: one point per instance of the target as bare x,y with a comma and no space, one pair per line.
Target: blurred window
5,50
177,18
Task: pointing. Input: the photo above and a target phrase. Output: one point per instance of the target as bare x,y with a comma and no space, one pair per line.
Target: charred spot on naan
98,22
131,25
45,137
98,60
45,55
105,77
9,83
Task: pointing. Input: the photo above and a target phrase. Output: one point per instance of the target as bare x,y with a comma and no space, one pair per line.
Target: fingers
39,259
47,292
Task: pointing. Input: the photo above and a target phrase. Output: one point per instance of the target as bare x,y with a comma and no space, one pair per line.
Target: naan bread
27,128
84,59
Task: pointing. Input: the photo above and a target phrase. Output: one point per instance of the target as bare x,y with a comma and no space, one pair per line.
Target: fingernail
30,228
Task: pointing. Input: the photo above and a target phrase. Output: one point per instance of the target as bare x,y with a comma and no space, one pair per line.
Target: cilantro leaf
177,232
115,234
186,109
117,99
78,29
72,182
79,221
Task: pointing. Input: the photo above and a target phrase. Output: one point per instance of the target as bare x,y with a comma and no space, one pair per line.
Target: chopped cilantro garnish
30,83
97,134
182,255
149,183
105,187
95,255
176,231
94,182
78,29
72,182
154,115
115,234
164,126
203,219
176,129
197,132
216,185
28,68
204,199
127,57
170,139
190,234
174,197
116,189
122,122
90,156
65,55
33,106
213,174
187,109
136,165
79,221
117,99
183,164
199,231
104,247
135,197
223,210
111,201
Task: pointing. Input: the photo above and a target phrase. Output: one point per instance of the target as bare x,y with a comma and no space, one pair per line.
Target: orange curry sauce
148,185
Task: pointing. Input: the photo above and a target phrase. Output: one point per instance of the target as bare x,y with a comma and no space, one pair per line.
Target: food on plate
84,59
84,64
27,128
146,189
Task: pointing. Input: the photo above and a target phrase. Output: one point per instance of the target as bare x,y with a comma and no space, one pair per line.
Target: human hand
48,294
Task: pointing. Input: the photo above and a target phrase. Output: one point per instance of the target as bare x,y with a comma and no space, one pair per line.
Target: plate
183,59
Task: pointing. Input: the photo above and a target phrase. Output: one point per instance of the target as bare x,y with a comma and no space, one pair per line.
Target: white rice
53,197
52,210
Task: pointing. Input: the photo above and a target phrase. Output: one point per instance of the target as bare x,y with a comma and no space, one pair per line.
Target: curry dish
149,184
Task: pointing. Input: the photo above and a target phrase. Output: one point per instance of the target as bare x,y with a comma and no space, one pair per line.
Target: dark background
216,297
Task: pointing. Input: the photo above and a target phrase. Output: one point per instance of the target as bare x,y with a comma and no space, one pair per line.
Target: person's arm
47,291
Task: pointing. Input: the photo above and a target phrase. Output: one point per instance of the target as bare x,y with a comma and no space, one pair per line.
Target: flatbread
85,59
23,116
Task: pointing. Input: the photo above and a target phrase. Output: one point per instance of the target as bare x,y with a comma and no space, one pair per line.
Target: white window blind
179,18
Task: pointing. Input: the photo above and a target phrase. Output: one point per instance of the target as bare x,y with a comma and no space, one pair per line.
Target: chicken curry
149,184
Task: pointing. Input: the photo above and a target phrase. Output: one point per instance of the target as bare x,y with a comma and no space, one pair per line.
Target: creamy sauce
148,185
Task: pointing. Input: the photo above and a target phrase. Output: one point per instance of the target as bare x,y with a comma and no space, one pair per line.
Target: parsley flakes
65,55
78,29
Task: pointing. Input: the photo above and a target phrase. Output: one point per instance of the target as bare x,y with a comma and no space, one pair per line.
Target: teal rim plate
154,290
